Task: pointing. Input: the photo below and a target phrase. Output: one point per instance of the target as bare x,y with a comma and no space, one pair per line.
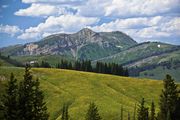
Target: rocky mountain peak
86,32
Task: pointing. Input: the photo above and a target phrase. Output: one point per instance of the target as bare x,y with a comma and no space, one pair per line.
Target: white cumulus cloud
11,30
68,23
141,19
52,1
37,10
140,7
144,28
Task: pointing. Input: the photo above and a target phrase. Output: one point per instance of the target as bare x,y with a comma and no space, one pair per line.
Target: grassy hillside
156,59
52,59
80,88
158,74
138,52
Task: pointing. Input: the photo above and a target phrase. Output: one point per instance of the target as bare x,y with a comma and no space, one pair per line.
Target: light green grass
52,59
80,88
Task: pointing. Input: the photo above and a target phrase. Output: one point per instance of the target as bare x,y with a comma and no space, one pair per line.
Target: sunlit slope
80,88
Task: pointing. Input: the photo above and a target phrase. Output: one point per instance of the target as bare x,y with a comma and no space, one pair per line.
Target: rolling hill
139,52
80,88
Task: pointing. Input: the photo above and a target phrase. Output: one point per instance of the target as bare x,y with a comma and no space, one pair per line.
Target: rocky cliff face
85,44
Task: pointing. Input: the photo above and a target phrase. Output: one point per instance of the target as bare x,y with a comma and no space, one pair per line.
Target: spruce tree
121,112
40,109
134,115
10,103
168,116
92,113
1,110
177,110
26,96
129,117
168,99
65,115
31,100
152,117
142,111
70,66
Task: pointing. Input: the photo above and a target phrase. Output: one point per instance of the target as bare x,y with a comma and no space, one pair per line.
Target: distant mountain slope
149,60
8,61
139,52
85,44
80,88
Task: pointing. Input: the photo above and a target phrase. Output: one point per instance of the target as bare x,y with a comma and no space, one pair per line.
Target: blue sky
23,21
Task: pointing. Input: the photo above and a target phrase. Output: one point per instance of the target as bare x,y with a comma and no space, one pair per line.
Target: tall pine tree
134,114
121,112
152,117
31,103
168,99
40,109
129,117
177,110
10,103
26,95
142,111
65,115
92,113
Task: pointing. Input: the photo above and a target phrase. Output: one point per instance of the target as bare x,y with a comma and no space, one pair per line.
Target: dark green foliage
152,117
31,104
142,112
26,95
1,110
168,116
168,99
36,64
65,115
45,64
85,65
129,117
177,110
92,113
77,65
111,68
40,109
121,112
134,115
10,103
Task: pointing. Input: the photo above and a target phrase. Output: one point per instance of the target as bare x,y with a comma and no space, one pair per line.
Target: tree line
25,101
100,67
85,65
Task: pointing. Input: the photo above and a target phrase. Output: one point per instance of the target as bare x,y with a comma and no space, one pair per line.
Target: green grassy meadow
78,89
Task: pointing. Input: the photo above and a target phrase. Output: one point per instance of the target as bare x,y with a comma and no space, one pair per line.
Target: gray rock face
85,44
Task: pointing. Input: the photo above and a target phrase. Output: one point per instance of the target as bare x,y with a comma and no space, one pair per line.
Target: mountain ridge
115,46
106,43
